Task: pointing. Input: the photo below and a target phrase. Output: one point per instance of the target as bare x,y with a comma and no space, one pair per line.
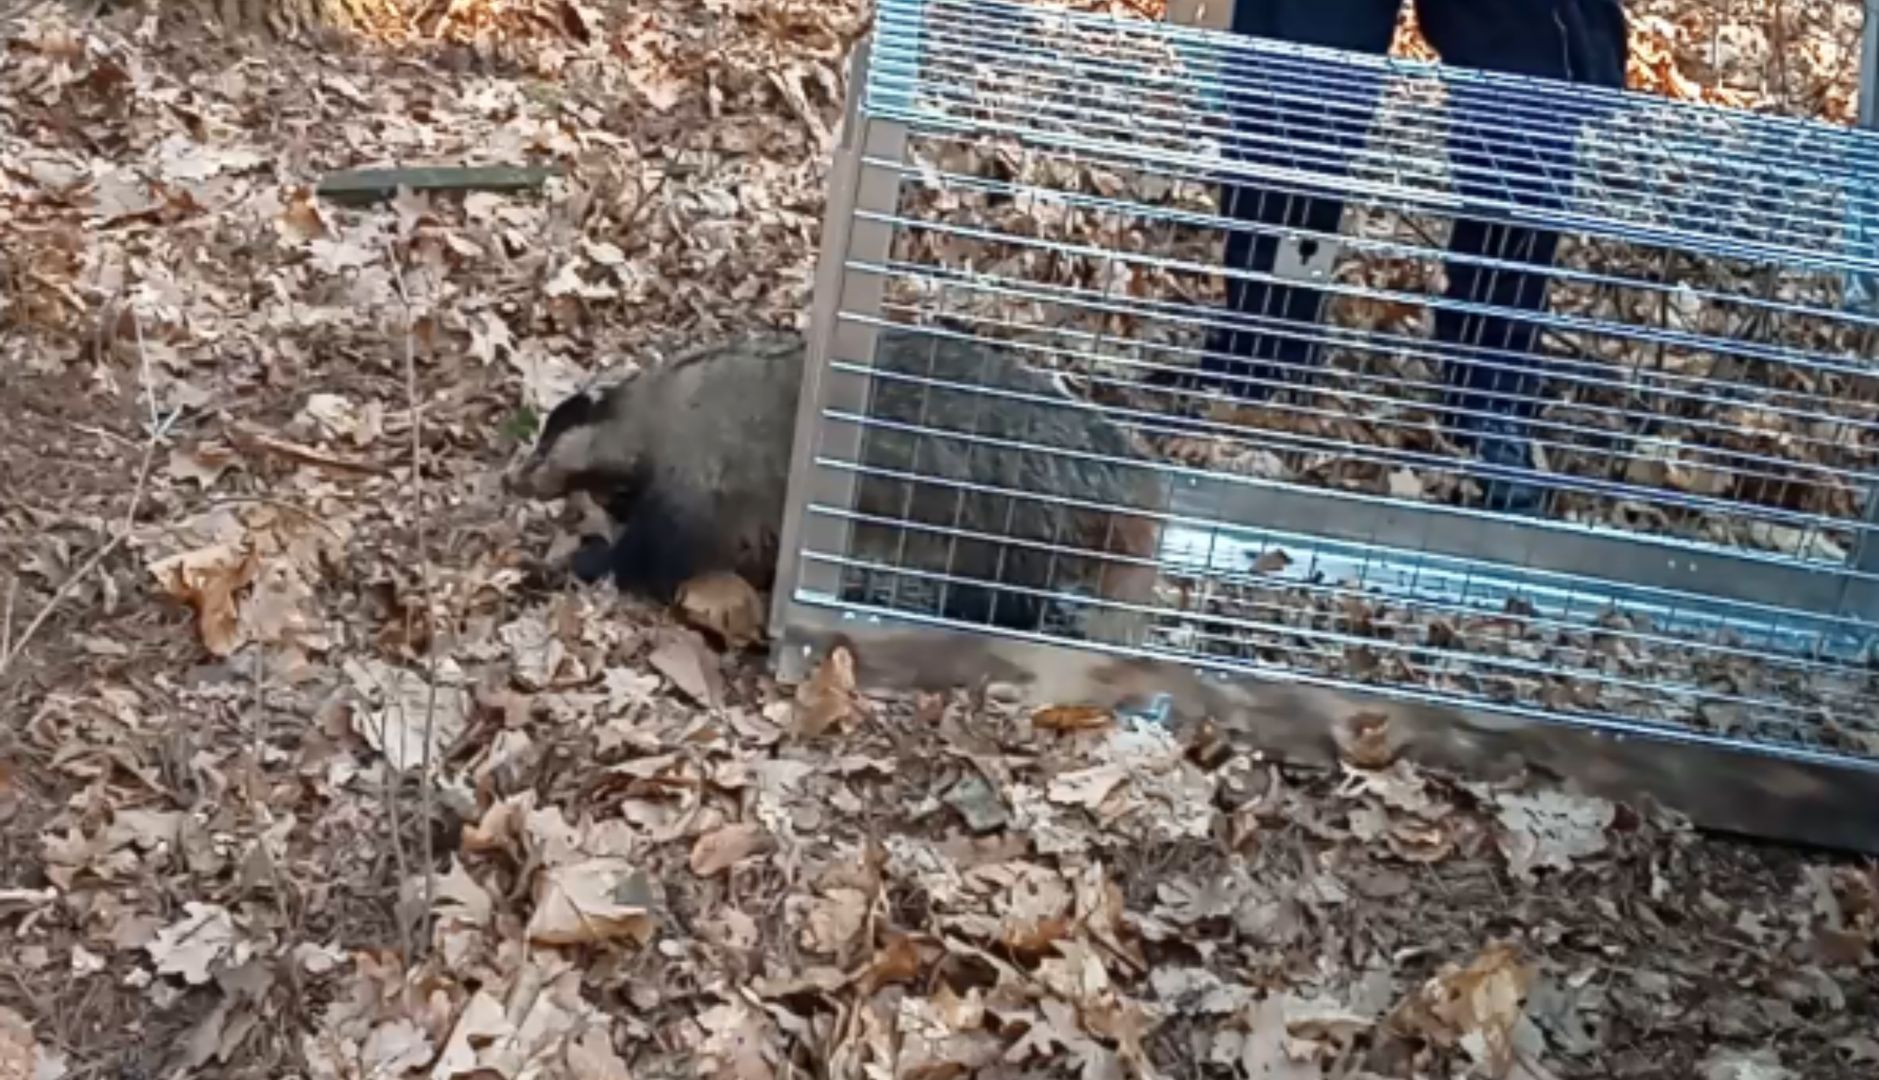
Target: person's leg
1520,156
1273,124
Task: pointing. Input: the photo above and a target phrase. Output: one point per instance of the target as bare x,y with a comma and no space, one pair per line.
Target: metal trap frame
1686,604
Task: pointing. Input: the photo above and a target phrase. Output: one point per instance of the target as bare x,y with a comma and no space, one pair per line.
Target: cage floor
1506,636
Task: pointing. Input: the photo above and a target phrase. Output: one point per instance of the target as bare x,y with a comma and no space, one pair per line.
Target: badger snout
525,478
515,479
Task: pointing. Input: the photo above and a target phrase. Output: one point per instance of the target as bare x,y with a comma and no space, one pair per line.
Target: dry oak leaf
1551,829
403,716
1263,1054
683,658
458,896
1072,718
1087,787
191,945
338,417
739,1043
827,699
723,604
591,901
204,463
1763,1063
21,1056
591,1057
834,920
1475,1007
207,579
1271,561
720,849
1364,739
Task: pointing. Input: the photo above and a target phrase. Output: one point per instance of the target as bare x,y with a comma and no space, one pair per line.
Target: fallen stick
360,186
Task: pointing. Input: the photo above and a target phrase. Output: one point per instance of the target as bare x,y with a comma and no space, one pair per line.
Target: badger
691,458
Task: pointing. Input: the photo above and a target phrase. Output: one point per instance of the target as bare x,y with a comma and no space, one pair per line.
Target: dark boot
1501,443
1249,353
1495,390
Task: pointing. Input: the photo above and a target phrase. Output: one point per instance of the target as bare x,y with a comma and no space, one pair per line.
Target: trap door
864,186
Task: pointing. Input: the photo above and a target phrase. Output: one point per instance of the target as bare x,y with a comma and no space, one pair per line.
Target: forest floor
273,643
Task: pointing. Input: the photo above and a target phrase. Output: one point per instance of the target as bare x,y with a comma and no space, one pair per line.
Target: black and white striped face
577,449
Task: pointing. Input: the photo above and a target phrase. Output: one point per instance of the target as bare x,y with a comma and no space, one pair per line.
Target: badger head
586,444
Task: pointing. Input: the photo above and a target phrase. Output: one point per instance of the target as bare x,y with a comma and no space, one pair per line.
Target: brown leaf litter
312,775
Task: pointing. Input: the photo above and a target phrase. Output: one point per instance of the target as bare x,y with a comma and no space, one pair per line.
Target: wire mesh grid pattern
1070,417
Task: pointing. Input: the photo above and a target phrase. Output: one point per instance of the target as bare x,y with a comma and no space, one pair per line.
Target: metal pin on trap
1530,422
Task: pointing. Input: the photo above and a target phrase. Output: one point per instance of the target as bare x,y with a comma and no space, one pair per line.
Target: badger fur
691,460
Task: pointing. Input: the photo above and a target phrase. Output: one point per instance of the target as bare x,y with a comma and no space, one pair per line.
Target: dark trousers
1522,156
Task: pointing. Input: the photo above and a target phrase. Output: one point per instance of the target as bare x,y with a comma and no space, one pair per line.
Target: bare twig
426,783
258,722
400,859
393,782
159,429
6,616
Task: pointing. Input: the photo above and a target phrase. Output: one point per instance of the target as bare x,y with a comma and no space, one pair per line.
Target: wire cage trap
1538,424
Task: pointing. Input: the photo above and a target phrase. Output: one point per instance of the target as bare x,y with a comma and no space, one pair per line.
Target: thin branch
426,783
393,778
258,722
6,616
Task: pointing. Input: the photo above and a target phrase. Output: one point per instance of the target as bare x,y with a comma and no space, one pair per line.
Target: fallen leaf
1072,718
1405,485
1763,1063
207,579
457,895
590,901
147,829
827,699
979,803
683,657
204,463
740,1044
591,1056
301,220
1263,1055
404,718
723,604
720,849
1475,1007
1363,739
395,1048
1551,829
19,1051
1087,787
835,919
898,962
183,158
1271,561
483,1022
317,959
21,1056
547,378
189,946
339,418
656,85
535,650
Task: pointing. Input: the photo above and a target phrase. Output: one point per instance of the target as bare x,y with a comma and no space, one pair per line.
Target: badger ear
576,410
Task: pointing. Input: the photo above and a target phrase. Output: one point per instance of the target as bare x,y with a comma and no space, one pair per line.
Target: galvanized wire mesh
1697,552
